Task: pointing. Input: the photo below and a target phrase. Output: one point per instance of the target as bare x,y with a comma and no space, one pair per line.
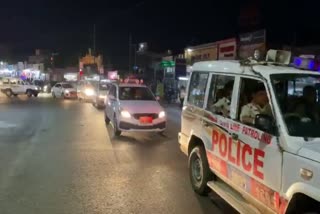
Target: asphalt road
56,157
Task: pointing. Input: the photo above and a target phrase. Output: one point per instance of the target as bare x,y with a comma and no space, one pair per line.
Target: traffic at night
159,107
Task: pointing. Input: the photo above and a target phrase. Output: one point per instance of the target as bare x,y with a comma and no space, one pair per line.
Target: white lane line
4,125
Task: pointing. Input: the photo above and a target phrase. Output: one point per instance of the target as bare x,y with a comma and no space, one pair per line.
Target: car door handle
235,136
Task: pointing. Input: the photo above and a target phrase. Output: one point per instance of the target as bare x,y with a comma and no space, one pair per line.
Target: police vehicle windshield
135,93
298,96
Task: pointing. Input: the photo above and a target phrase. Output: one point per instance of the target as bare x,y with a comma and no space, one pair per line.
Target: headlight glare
125,114
162,114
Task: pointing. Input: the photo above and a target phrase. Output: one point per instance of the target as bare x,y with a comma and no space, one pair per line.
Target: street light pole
130,41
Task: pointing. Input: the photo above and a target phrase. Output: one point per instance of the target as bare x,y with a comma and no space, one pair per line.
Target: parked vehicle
14,87
250,138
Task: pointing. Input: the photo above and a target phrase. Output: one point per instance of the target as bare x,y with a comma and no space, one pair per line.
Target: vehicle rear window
135,93
67,86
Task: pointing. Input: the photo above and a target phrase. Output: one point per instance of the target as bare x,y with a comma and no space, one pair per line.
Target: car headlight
89,92
67,91
125,114
162,114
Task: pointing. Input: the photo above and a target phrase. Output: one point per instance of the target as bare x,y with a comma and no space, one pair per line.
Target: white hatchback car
64,90
133,107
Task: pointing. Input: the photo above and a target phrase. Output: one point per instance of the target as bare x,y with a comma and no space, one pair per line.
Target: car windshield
103,87
67,86
135,93
298,96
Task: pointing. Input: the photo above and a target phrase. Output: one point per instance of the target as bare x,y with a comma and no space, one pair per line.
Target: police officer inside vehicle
258,105
222,106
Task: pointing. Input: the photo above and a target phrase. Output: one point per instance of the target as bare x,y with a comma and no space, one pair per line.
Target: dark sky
67,27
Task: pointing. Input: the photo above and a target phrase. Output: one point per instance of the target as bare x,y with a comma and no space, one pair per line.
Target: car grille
137,116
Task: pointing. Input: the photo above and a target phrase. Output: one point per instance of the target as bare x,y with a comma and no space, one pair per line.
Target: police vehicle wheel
116,132
29,93
9,93
106,120
199,171
35,94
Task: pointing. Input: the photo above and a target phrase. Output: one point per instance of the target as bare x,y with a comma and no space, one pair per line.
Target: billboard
227,49
249,42
112,75
201,53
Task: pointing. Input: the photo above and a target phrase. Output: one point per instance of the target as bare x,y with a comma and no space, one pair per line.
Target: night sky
67,28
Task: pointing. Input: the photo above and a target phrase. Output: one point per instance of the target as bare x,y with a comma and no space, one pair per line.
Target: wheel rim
196,167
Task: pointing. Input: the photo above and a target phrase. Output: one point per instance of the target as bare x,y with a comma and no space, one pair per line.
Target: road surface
56,158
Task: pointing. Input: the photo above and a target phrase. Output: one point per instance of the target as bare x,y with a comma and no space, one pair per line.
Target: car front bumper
132,124
70,95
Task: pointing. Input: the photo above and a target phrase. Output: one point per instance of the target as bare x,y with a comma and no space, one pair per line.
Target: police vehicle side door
258,156
193,109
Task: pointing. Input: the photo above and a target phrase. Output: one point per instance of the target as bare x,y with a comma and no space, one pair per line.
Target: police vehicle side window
253,100
219,99
58,85
197,88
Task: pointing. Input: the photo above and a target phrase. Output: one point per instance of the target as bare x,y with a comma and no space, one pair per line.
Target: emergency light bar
306,63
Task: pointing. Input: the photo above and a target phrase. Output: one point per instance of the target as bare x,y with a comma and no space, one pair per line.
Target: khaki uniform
222,106
251,110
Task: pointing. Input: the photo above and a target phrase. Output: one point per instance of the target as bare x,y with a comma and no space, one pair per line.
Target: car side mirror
265,123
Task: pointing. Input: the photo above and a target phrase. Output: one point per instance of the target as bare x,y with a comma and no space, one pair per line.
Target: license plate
145,120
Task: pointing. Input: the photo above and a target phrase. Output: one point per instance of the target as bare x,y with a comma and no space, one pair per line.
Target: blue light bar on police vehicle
306,63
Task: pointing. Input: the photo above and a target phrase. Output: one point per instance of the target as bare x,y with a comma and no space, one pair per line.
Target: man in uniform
222,106
258,105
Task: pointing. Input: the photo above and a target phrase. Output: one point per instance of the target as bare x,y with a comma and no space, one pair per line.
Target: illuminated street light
189,50
1,63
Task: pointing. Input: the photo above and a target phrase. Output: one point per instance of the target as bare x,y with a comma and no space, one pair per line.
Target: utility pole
130,41
94,40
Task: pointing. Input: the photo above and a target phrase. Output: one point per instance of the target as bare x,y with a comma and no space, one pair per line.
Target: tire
116,133
106,120
29,93
54,95
9,92
199,171
35,94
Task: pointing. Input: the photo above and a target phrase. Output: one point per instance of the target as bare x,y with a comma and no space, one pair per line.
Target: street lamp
189,50
1,63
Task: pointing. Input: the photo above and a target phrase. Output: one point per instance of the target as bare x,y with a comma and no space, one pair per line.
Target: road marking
4,125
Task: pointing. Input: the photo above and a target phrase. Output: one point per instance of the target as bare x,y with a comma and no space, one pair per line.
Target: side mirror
265,123
157,98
